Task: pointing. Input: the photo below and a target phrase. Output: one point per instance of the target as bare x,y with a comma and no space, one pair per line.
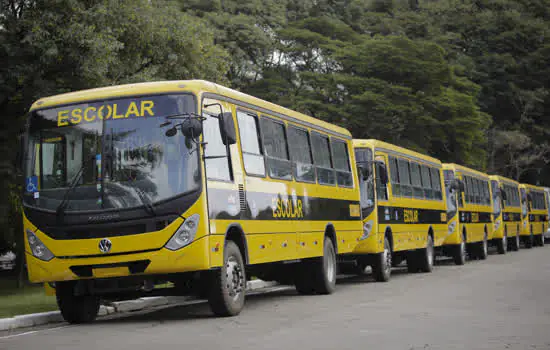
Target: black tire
426,256
542,240
482,248
412,261
324,269
515,243
459,254
227,298
538,240
76,309
304,279
381,267
502,244
528,241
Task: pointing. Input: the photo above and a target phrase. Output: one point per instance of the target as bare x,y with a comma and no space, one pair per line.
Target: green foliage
463,80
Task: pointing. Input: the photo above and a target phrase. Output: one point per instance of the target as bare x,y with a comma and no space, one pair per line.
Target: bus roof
377,144
178,86
532,187
464,169
503,179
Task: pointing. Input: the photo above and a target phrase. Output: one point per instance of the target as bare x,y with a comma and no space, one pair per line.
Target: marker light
367,227
184,234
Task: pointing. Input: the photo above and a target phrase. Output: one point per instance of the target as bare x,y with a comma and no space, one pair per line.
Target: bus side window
322,159
394,178
216,154
426,182
381,188
341,163
436,183
405,178
276,149
418,192
300,153
250,144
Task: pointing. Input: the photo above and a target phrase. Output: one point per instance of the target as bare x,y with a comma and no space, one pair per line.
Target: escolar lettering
90,114
284,208
410,216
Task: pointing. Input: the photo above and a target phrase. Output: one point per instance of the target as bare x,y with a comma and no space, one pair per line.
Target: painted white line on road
32,332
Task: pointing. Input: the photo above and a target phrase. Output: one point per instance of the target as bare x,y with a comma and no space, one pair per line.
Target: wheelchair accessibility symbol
32,184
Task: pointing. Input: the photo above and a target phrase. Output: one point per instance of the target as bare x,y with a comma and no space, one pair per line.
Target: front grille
108,229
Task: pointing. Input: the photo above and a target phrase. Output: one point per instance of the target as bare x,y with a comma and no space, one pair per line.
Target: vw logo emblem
105,245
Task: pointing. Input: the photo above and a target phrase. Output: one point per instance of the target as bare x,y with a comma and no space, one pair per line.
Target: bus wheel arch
236,234
330,232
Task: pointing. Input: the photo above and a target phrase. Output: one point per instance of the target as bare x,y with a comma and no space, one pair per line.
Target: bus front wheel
502,244
459,255
381,267
76,309
228,284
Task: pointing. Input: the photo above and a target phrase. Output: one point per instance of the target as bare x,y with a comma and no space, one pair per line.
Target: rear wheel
515,243
459,255
482,248
528,241
324,270
228,284
381,268
502,245
76,309
426,256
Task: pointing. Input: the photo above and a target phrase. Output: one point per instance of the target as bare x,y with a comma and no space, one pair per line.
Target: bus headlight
38,249
184,234
451,227
367,227
497,224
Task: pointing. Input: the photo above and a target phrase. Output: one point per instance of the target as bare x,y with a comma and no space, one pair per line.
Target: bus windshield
113,153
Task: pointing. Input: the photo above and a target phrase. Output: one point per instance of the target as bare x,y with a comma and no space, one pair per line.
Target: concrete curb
38,319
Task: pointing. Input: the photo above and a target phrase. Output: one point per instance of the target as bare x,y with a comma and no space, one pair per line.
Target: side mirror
382,172
227,128
192,128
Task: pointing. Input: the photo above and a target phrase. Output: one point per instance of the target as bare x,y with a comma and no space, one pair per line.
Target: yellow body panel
285,236
474,219
405,236
536,220
509,221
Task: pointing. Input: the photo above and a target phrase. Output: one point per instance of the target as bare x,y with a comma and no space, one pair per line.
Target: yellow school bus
507,213
130,187
403,208
536,215
470,213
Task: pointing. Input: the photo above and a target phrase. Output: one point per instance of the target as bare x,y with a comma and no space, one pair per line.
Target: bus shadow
198,311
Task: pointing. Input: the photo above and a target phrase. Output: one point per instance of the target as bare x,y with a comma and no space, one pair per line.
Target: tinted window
394,177
416,180
300,153
381,188
250,144
436,183
216,154
322,159
276,151
341,163
405,178
426,182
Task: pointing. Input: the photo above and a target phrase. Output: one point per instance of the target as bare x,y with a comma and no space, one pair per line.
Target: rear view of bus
471,211
507,213
536,219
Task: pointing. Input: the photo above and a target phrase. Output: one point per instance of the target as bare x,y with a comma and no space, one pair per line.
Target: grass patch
27,300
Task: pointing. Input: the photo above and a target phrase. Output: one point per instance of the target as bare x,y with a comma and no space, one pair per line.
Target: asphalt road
500,303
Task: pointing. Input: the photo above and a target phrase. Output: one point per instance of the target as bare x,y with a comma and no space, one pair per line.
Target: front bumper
194,257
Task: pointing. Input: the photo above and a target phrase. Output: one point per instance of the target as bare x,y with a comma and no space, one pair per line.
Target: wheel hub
387,259
330,267
234,278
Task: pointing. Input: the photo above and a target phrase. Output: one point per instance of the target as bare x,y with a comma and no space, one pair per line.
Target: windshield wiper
63,205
